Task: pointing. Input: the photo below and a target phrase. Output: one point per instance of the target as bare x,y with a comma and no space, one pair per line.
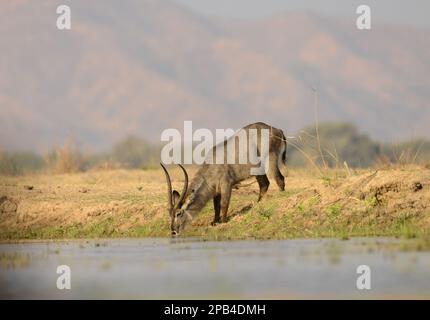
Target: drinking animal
215,180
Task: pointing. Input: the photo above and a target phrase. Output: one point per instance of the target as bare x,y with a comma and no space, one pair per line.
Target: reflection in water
14,260
188,268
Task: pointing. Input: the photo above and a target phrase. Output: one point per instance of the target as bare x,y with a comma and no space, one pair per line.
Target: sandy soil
123,200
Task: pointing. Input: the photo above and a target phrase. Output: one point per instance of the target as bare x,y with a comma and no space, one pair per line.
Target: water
187,268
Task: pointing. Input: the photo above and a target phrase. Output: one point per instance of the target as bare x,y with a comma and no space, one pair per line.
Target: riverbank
132,203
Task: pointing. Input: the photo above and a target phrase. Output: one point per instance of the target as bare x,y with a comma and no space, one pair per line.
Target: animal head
179,217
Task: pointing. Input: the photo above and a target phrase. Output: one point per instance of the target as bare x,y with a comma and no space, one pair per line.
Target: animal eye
179,214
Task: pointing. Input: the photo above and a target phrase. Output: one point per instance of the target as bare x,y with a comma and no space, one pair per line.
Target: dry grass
123,203
65,159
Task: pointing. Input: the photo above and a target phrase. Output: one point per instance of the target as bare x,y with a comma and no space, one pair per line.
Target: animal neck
199,194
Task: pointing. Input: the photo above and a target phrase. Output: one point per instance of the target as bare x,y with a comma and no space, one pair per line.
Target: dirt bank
133,203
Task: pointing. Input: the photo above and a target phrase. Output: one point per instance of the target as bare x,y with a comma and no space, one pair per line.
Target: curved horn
185,187
169,187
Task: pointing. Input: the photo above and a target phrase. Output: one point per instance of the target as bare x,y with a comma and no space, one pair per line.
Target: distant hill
138,67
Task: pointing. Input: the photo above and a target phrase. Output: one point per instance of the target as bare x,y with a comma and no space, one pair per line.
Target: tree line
334,144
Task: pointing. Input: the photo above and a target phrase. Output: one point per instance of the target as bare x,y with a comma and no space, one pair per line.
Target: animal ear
175,197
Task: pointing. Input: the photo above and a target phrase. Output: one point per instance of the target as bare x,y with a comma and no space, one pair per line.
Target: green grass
264,211
333,210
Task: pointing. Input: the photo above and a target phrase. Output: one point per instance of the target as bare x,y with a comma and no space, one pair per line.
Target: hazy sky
413,12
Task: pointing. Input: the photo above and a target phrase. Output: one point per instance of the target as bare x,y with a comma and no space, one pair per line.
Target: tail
284,152
282,155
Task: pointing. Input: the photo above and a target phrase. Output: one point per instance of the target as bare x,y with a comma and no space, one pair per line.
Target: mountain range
138,67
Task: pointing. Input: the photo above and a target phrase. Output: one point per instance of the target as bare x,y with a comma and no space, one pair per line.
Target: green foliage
342,142
307,205
333,210
134,152
301,207
372,201
339,142
265,212
18,163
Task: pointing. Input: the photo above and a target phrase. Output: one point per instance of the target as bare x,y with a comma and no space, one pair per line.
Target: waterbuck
216,181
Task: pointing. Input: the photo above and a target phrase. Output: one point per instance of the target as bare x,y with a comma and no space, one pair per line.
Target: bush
339,142
414,151
66,159
19,163
134,152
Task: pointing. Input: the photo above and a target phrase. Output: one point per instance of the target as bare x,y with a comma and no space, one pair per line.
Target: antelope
216,181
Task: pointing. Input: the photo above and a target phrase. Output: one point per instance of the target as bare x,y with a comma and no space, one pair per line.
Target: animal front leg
225,201
217,209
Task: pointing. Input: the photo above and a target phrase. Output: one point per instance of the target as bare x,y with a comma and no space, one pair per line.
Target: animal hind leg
263,183
275,172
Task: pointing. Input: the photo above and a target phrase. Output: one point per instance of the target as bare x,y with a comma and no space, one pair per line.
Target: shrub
66,159
18,163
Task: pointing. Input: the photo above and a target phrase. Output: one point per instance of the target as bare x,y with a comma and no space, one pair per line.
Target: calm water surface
187,268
